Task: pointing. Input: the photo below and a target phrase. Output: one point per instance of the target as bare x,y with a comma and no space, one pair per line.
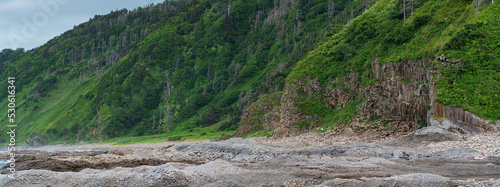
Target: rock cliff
398,99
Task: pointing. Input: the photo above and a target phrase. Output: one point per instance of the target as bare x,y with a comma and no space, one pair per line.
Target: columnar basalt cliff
291,114
374,76
462,116
403,92
401,97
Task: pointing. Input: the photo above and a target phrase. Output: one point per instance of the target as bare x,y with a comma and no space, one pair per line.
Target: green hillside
192,68
170,68
449,28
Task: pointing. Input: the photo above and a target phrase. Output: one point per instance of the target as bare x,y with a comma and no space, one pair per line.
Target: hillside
204,68
180,67
389,72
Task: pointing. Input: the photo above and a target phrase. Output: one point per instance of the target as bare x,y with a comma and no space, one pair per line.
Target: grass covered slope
470,80
192,68
50,79
175,68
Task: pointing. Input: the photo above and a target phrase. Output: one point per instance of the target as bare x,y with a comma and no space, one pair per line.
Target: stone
343,161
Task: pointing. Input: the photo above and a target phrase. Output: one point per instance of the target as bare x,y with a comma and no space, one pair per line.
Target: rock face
462,116
402,95
36,141
290,114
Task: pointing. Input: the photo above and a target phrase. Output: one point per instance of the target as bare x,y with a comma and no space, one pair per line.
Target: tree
413,4
411,7
212,116
159,120
331,9
167,118
477,7
404,10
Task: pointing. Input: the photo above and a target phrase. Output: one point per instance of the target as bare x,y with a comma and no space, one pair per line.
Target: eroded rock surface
273,162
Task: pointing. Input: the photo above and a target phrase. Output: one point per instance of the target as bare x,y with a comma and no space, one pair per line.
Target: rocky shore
417,159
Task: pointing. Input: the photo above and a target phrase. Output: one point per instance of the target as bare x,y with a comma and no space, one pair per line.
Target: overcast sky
31,23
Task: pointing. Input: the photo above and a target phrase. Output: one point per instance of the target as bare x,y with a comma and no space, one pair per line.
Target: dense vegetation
189,67
471,79
169,68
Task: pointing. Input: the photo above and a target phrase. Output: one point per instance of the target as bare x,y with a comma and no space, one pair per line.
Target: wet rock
65,161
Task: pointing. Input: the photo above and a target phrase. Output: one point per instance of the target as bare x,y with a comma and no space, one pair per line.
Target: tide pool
2,164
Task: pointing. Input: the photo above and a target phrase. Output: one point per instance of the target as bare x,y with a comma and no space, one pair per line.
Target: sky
31,23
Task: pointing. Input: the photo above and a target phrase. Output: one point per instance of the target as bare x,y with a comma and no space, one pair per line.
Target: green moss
341,116
268,133
303,125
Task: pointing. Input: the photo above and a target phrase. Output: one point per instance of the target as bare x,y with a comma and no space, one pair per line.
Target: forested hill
265,67
171,67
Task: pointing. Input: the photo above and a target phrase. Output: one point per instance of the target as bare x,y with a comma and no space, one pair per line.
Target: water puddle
2,164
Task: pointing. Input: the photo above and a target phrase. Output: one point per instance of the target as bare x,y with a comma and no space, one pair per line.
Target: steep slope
387,73
181,66
49,79
171,67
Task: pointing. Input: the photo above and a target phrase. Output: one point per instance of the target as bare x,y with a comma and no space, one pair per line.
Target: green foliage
200,65
117,74
206,133
303,125
260,133
474,82
341,116
212,116
250,69
447,27
313,106
174,138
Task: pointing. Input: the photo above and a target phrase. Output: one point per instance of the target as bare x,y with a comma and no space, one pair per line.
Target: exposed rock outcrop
462,116
290,113
403,94
401,99
261,115
36,140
